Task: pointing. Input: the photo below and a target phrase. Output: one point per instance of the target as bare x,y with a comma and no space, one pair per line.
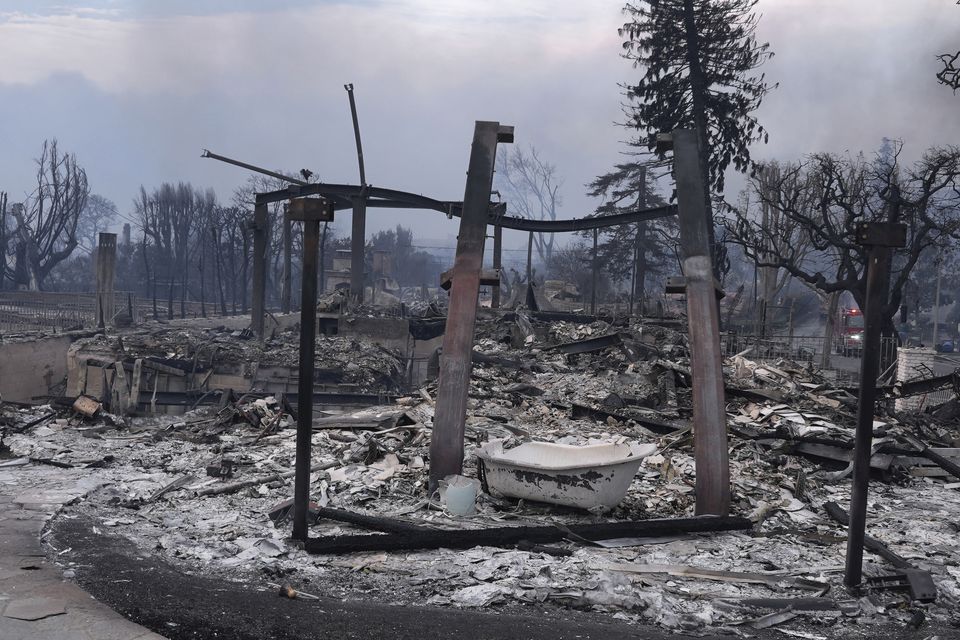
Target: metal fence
843,365
54,311
802,349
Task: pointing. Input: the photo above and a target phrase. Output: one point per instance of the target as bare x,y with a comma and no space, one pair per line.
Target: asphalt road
154,594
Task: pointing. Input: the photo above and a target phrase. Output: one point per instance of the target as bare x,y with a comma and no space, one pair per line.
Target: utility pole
709,407
446,443
311,211
880,238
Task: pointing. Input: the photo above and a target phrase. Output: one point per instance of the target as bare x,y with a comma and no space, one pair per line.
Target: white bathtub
594,477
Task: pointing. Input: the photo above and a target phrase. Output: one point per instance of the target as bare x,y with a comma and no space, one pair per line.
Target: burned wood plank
941,461
881,461
233,487
589,345
151,363
839,514
488,278
377,523
583,412
796,604
510,536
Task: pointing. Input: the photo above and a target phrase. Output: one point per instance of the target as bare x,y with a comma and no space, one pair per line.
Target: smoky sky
137,89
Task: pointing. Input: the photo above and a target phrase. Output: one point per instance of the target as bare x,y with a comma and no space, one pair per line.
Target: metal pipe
209,154
356,132
359,222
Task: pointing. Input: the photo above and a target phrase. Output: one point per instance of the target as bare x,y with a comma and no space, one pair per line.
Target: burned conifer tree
699,60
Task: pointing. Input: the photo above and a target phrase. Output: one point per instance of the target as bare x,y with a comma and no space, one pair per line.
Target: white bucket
459,494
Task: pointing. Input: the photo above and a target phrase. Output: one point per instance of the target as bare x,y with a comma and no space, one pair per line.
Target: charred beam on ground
510,536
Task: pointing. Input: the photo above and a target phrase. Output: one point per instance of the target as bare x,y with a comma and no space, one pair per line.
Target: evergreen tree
699,60
638,251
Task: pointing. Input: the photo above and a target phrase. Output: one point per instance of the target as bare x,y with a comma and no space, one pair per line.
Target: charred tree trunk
203,280
218,258
833,306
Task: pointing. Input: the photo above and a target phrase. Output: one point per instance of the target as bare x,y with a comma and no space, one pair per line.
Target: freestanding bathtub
594,477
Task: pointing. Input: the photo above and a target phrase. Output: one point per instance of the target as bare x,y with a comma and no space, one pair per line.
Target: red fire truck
848,337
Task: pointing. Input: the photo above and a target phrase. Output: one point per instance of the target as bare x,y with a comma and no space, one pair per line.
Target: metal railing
55,311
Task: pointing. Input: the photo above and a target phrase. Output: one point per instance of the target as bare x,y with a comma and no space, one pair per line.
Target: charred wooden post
285,286
594,270
880,238
106,266
357,248
311,211
497,263
709,410
446,444
530,260
259,269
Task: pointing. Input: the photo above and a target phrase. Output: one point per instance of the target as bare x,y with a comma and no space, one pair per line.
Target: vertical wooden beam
446,443
879,237
594,267
709,408
357,249
106,266
134,404
258,306
311,211
530,260
285,289
120,393
497,263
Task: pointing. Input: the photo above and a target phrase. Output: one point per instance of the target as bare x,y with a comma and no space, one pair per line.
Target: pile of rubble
339,360
210,489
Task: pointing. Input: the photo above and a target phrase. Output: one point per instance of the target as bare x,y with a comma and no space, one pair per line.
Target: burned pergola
346,197
476,213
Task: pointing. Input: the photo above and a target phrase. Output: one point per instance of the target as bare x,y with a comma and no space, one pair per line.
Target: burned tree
950,74
641,250
823,199
532,190
699,60
169,218
777,234
46,232
96,216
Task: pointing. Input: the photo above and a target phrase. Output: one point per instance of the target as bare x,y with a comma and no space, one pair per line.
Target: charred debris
211,487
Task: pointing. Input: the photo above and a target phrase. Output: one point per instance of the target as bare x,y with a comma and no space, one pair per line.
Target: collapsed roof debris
791,441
